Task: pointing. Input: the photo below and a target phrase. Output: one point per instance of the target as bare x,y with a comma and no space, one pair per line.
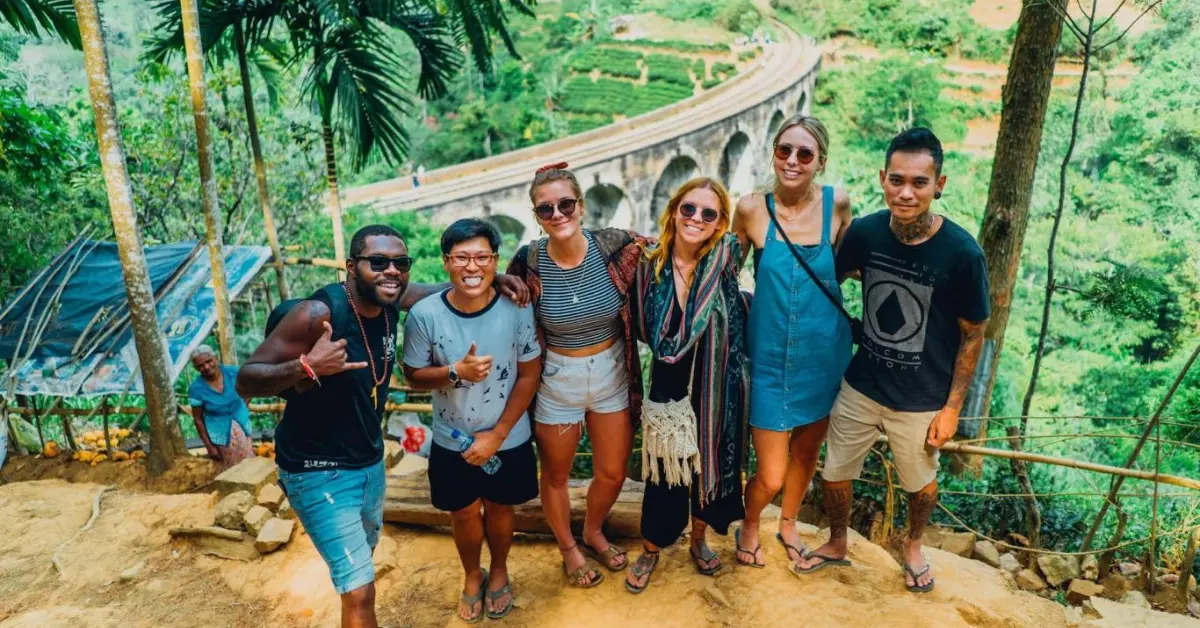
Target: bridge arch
606,205
802,104
737,165
678,171
509,227
777,119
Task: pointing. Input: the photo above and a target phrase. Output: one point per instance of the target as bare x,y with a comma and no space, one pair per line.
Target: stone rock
285,510
410,465
1058,569
275,533
1193,607
241,549
1009,563
1073,615
1129,570
1080,590
255,518
1169,578
231,511
270,496
392,453
1119,615
1028,580
1135,598
961,543
131,574
932,537
249,475
1116,585
986,552
386,555
715,596
1090,568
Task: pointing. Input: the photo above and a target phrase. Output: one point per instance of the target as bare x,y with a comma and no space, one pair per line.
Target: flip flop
826,561
606,557
638,572
705,557
471,600
737,540
492,596
791,548
582,574
917,574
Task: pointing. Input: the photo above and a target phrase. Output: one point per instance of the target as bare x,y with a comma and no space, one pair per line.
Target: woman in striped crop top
580,281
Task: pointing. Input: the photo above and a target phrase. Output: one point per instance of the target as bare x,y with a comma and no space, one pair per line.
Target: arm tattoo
920,508
837,508
964,364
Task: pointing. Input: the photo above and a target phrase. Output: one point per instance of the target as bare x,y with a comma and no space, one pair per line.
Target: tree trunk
208,180
1026,94
260,168
150,342
335,203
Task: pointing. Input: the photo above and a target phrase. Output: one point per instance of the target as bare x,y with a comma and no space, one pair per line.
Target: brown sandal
642,568
606,557
584,576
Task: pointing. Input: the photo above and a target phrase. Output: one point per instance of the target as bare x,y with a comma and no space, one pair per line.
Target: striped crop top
580,306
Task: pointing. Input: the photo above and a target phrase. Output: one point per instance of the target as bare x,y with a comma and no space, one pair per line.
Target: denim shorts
571,387
342,511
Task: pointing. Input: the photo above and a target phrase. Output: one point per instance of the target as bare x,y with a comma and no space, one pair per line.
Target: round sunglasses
380,263
708,214
565,206
804,154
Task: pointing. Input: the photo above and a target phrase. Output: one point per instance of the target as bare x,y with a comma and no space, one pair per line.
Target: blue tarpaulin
91,311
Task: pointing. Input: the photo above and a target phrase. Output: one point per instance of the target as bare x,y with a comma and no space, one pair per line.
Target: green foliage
671,44
747,55
739,16
683,10
610,61
669,69
612,96
710,83
728,69
586,122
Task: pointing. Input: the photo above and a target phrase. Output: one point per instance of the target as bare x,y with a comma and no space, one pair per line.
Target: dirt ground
188,474
178,588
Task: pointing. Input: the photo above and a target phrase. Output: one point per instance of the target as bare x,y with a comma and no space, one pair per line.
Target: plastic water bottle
465,441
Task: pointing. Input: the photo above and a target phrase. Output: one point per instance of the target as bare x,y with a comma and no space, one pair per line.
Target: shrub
747,55
740,16
711,83
728,69
698,68
669,68
611,61
610,96
671,44
586,122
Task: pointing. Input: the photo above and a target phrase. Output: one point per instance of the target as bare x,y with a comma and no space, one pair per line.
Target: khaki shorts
854,426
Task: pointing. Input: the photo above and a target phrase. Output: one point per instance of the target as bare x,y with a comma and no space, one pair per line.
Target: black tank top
336,425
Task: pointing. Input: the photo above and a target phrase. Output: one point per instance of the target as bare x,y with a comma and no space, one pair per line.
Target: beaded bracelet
308,370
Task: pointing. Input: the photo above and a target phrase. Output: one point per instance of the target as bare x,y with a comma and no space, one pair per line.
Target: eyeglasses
566,207
803,154
380,263
462,260
708,214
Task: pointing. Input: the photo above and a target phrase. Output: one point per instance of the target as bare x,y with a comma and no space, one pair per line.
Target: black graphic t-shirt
337,424
913,298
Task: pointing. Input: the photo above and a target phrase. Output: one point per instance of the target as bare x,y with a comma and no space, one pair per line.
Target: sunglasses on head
803,154
380,263
708,214
565,206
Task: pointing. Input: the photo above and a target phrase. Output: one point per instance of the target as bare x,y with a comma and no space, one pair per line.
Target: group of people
549,350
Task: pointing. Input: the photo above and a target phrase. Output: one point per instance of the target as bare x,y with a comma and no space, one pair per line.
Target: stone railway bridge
629,169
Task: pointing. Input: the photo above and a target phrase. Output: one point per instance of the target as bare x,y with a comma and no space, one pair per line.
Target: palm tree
34,16
208,181
148,337
217,40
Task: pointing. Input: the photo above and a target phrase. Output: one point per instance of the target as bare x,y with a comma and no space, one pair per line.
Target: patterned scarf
714,325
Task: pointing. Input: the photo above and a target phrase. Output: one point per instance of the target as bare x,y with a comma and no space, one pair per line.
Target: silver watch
453,375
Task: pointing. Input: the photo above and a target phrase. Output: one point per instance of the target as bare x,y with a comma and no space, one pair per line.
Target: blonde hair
814,127
659,255
551,173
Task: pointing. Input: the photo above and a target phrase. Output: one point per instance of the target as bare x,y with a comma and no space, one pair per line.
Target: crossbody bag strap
803,264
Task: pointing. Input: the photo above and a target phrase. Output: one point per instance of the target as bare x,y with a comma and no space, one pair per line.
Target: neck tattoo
913,231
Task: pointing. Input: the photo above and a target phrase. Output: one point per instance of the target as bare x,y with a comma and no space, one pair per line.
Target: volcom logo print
896,299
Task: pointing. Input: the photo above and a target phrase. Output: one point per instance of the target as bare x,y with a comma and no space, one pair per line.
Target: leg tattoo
920,508
837,508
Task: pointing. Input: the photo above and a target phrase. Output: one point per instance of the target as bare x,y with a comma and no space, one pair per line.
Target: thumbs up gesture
474,368
328,356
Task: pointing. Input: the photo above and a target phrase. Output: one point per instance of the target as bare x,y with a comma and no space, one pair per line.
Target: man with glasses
332,356
480,356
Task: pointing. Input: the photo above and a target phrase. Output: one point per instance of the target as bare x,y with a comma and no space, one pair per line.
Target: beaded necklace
378,379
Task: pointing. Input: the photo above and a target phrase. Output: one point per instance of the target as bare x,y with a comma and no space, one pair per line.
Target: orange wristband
308,370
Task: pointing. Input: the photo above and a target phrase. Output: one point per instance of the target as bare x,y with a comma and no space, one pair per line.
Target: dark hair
359,241
916,140
551,173
465,229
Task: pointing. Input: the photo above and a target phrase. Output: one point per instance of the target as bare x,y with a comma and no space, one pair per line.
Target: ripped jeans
342,511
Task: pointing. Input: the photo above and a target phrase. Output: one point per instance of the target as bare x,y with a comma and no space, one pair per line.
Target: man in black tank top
332,355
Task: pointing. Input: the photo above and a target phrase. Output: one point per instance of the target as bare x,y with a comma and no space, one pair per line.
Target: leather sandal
606,557
643,566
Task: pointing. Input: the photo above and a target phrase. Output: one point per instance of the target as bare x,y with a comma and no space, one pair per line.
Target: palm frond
429,34
51,16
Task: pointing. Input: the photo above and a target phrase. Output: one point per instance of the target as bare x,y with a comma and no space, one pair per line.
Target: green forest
1126,309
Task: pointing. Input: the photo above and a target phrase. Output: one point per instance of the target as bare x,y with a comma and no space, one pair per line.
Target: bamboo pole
107,438
1185,571
314,261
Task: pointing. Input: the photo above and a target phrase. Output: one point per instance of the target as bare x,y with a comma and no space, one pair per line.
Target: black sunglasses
379,263
708,214
804,155
566,207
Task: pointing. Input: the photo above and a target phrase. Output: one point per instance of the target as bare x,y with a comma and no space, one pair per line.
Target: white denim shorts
572,387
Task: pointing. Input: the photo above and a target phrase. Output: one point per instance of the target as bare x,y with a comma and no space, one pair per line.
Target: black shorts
454,483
